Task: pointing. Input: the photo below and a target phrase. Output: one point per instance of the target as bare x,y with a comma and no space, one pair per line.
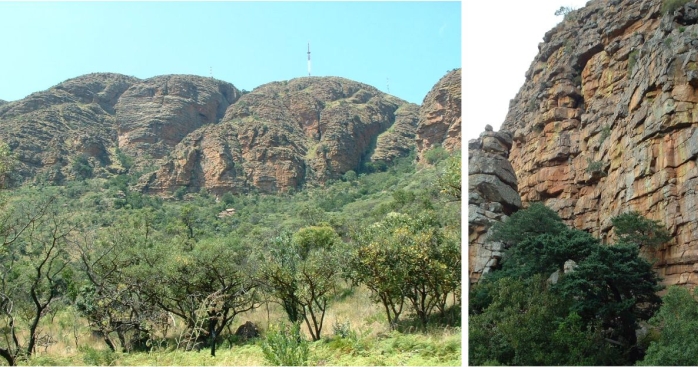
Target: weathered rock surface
94,114
156,114
492,197
440,115
199,133
48,129
283,135
607,122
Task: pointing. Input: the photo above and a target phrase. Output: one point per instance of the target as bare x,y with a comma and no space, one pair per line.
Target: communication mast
308,58
387,82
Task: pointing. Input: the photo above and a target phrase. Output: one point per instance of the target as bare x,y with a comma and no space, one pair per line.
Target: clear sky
404,46
499,45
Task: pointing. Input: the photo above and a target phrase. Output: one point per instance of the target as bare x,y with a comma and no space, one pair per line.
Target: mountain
283,135
607,122
95,118
190,133
440,115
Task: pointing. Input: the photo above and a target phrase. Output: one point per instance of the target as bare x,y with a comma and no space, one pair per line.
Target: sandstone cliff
283,135
46,130
492,197
607,122
440,115
90,116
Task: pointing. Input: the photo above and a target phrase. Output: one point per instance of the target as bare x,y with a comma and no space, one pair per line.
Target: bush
633,228
436,154
678,320
94,357
284,346
670,6
81,167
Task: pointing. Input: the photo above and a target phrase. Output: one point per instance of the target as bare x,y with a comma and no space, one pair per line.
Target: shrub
94,357
670,6
81,167
632,60
284,346
633,228
435,154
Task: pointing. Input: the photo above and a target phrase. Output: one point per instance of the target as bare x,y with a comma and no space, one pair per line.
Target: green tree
615,286
7,165
403,259
113,300
677,320
302,272
527,324
215,275
449,181
633,228
33,267
546,253
535,220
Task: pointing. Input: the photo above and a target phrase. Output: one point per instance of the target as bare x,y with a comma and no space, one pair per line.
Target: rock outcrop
440,115
607,122
283,135
492,197
198,132
87,118
48,130
156,114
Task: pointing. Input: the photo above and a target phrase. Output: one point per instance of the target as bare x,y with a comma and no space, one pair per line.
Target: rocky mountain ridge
190,132
607,122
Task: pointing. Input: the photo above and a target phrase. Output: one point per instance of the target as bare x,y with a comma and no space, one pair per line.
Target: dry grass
372,342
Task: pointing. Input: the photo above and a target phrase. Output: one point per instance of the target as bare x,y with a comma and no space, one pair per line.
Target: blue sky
409,45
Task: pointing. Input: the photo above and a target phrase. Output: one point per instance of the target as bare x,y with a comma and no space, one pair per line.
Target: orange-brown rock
90,116
440,115
157,113
283,135
607,122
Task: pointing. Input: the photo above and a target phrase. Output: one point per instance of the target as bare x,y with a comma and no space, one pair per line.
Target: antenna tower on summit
308,58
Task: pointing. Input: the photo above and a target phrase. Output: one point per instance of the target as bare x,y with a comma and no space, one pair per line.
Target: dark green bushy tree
535,220
527,324
677,320
611,287
633,228
616,286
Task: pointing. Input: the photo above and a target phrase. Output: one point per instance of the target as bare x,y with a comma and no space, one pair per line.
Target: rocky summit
607,122
492,197
440,115
191,133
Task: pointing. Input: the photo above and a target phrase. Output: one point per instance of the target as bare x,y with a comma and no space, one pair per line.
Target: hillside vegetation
363,270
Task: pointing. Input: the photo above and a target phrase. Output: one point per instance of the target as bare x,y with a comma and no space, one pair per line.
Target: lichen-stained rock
155,114
283,135
440,115
606,123
492,197
47,130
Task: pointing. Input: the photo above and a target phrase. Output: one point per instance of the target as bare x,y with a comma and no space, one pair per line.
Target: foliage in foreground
607,293
131,266
285,346
677,321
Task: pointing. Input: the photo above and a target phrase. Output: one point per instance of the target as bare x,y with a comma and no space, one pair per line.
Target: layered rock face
156,114
286,134
440,115
200,133
92,115
48,129
607,122
492,197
